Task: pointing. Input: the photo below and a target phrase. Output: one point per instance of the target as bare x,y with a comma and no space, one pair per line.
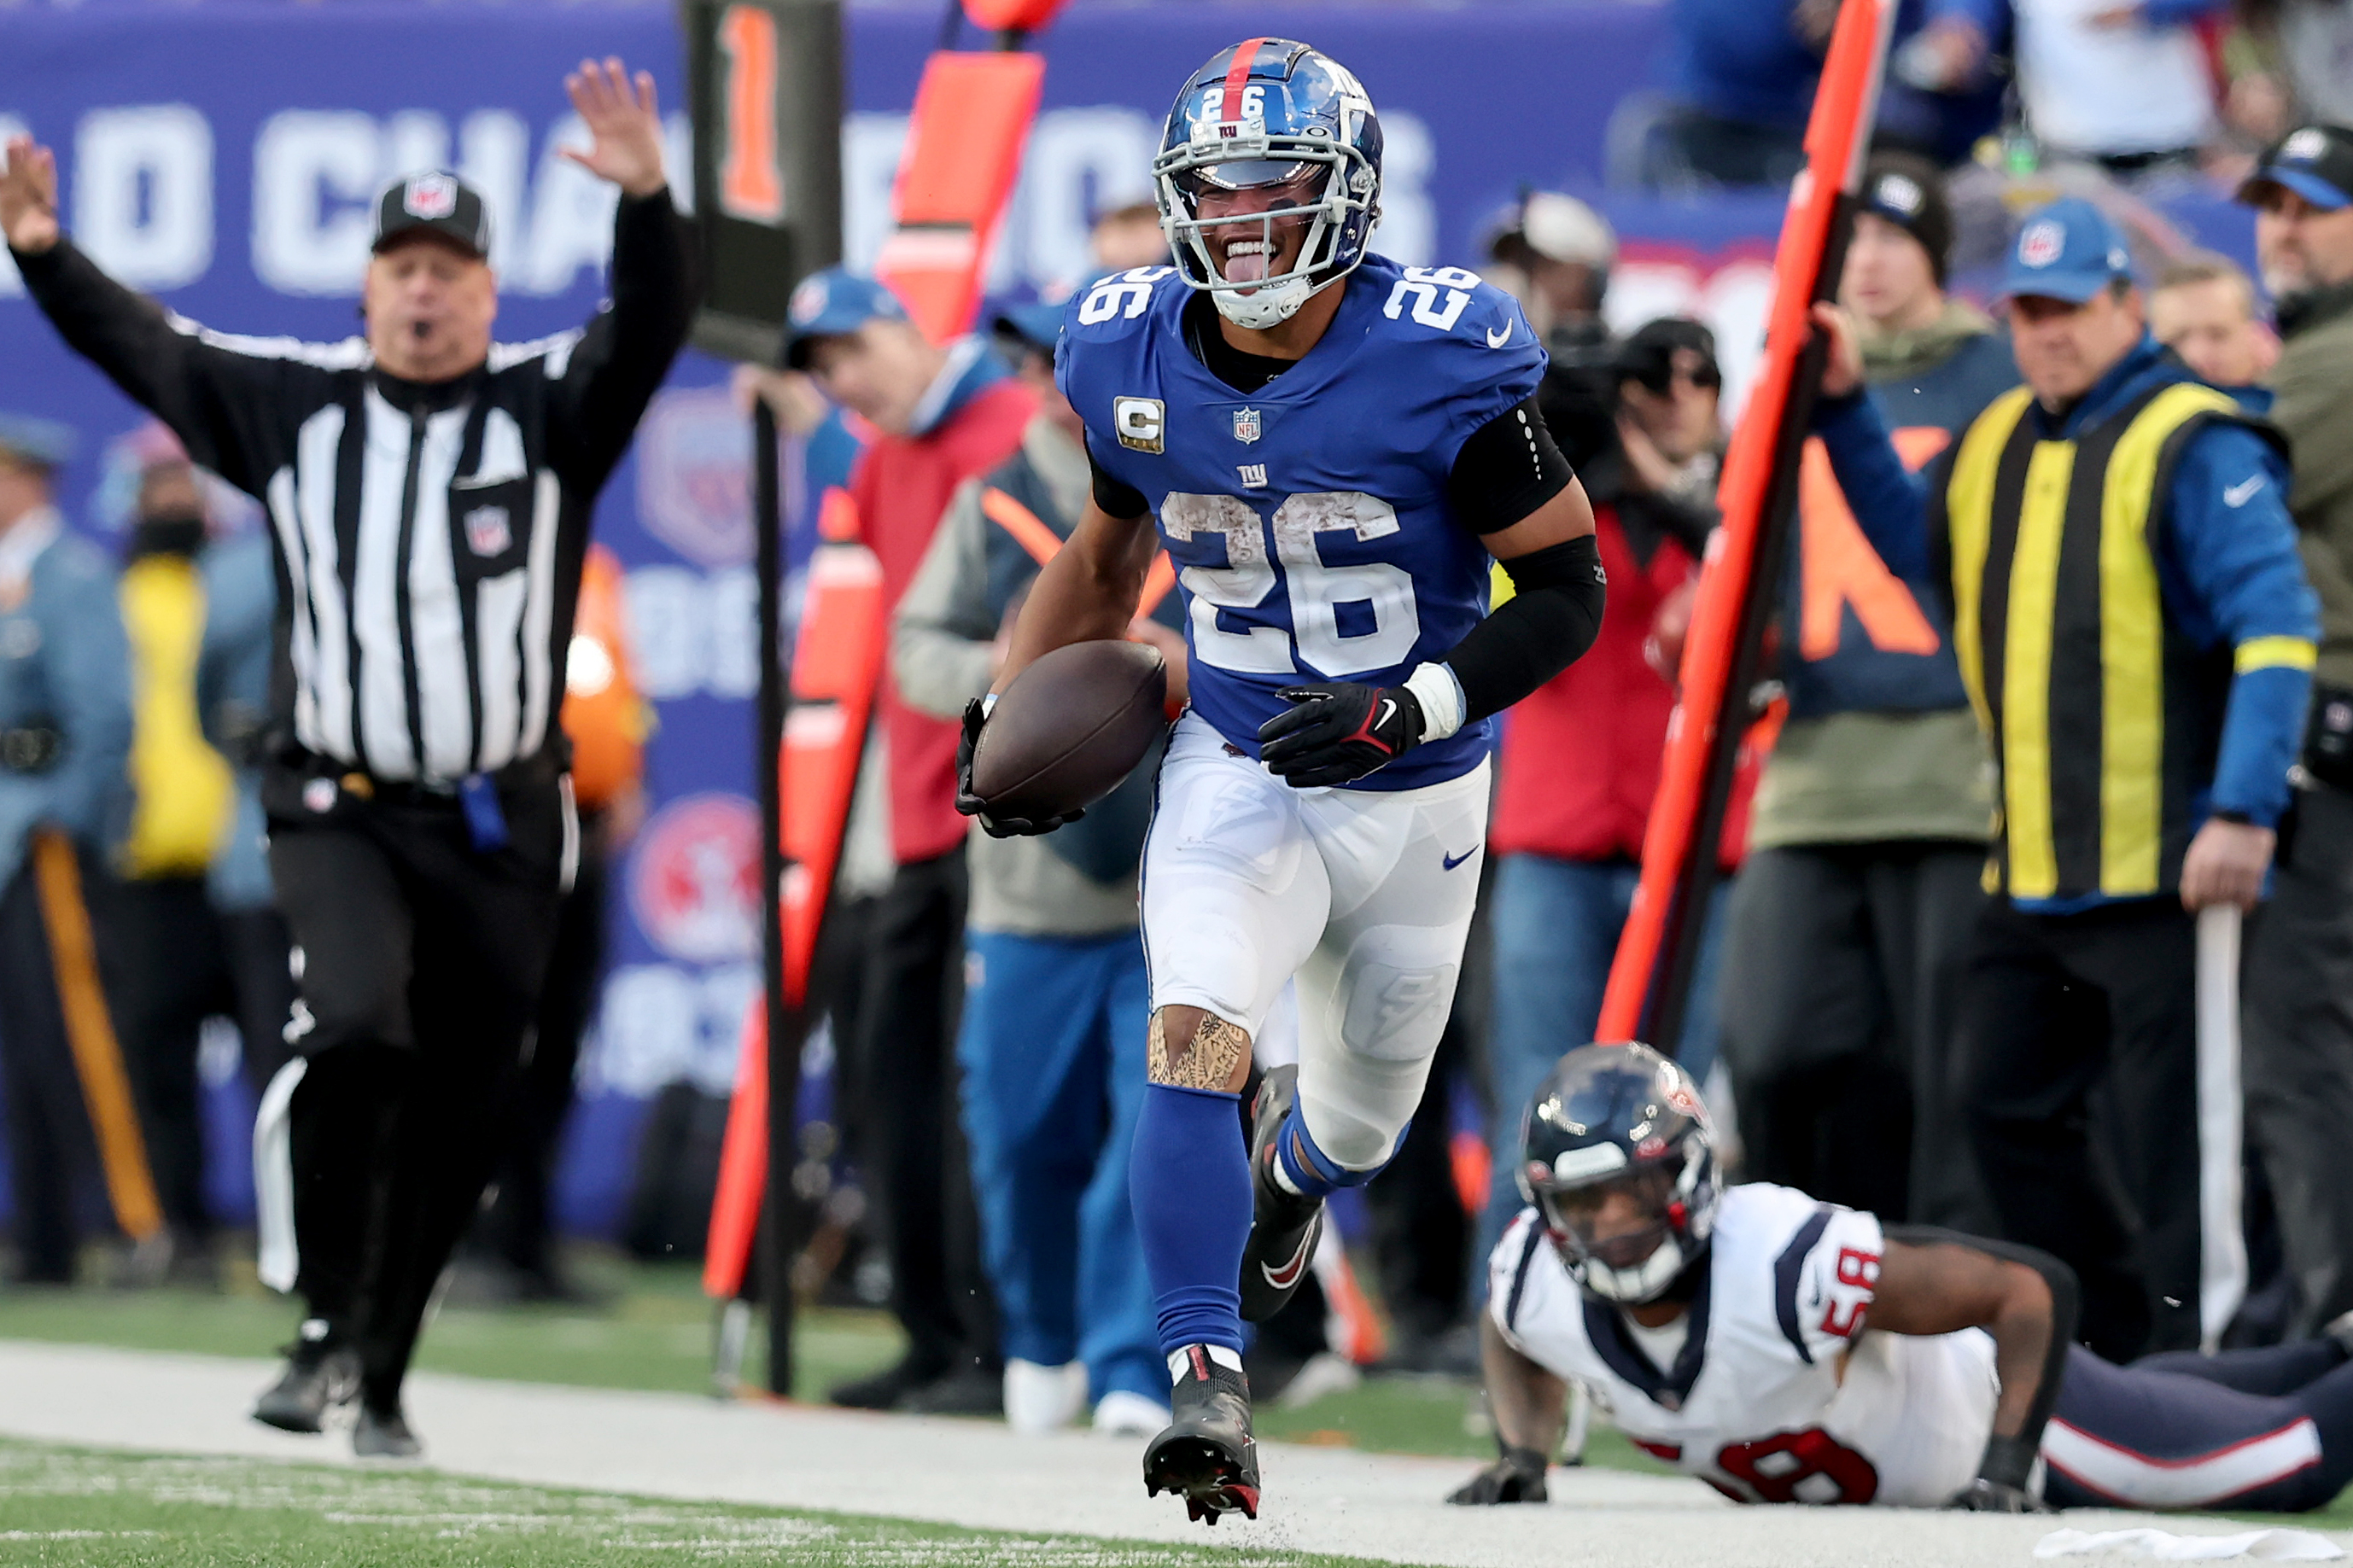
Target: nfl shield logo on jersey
487,532
1246,425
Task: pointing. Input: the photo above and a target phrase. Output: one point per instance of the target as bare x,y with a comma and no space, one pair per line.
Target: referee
430,495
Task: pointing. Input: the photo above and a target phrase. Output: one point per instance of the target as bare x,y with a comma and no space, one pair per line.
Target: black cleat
1206,1455
383,1435
321,1377
1284,1227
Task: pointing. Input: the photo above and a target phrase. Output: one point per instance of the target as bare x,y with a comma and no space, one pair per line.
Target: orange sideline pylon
1759,474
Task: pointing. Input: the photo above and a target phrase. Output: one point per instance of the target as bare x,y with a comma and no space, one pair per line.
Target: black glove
1982,1495
1335,730
2002,1475
1517,1477
975,715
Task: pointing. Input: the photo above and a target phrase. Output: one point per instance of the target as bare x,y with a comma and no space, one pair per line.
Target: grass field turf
93,1510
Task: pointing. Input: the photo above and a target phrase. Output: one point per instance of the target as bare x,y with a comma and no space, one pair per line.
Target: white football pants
1364,896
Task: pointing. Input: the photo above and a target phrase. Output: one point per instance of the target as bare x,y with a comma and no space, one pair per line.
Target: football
1069,728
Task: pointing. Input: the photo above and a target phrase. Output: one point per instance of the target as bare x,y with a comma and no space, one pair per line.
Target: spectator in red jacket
1580,760
943,415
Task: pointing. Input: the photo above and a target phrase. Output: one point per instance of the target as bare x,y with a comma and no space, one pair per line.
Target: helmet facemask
1673,1198
1309,186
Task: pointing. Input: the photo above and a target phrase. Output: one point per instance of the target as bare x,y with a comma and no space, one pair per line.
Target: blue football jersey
1309,520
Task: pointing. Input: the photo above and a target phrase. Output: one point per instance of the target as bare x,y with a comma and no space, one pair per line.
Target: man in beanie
2136,634
1851,919
2299,976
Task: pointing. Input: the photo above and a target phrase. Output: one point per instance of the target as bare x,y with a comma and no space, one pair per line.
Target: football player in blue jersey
1335,446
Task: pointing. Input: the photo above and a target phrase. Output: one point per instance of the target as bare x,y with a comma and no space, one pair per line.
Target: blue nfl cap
2067,250
830,304
1037,325
35,443
2316,161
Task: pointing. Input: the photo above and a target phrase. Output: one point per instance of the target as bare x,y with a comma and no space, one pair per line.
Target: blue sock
1189,1182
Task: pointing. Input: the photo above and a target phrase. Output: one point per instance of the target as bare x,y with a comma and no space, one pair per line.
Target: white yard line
968,1473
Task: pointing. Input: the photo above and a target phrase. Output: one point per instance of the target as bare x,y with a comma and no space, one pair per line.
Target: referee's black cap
436,202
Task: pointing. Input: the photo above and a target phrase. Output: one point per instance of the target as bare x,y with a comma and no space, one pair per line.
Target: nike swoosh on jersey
1497,340
1450,861
2242,492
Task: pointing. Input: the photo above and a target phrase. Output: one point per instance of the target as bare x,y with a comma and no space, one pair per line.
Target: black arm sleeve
1116,497
1506,469
218,402
1550,620
619,361
2009,1459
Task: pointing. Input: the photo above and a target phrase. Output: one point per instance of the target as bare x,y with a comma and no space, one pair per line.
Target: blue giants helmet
1275,135
1623,1121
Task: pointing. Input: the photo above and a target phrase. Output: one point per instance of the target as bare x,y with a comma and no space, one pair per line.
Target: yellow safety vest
2105,720
183,794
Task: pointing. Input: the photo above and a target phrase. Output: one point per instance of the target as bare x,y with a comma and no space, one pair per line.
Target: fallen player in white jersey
1784,1350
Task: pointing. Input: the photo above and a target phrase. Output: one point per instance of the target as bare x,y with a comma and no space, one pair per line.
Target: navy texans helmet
1611,1119
1269,137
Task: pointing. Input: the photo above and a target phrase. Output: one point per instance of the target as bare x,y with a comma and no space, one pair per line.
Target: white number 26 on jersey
1315,590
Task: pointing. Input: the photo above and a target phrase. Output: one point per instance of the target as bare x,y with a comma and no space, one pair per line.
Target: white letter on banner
871,145
144,192
415,142
1407,232
571,215
314,174
1080,161
494,149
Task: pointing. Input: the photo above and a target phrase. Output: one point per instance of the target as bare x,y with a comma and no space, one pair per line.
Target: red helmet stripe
1236,74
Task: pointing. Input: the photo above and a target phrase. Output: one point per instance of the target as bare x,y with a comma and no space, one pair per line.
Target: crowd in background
988,997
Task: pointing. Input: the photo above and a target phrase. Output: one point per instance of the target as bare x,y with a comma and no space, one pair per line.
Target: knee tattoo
1205,1057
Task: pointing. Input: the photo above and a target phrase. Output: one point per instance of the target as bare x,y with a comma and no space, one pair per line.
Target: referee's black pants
421,964
2060,1010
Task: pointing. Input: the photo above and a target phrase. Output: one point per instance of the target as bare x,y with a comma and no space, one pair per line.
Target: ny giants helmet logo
694,879
430,196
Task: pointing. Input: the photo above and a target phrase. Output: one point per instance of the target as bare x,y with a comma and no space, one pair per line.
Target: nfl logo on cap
807,300
2305,145
2040,243
1246,425
430,196
1900,193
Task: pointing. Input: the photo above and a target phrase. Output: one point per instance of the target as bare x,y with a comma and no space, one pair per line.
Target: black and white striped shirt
429,537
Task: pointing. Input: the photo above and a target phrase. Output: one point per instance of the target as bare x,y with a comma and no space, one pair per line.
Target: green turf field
654,1333
91,1510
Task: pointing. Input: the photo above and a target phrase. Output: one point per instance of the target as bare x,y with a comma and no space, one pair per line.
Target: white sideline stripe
2139,1481
276,1260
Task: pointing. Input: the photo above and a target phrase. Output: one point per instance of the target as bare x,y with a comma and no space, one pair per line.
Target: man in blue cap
65,738
939,413
2137,637
2299,976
